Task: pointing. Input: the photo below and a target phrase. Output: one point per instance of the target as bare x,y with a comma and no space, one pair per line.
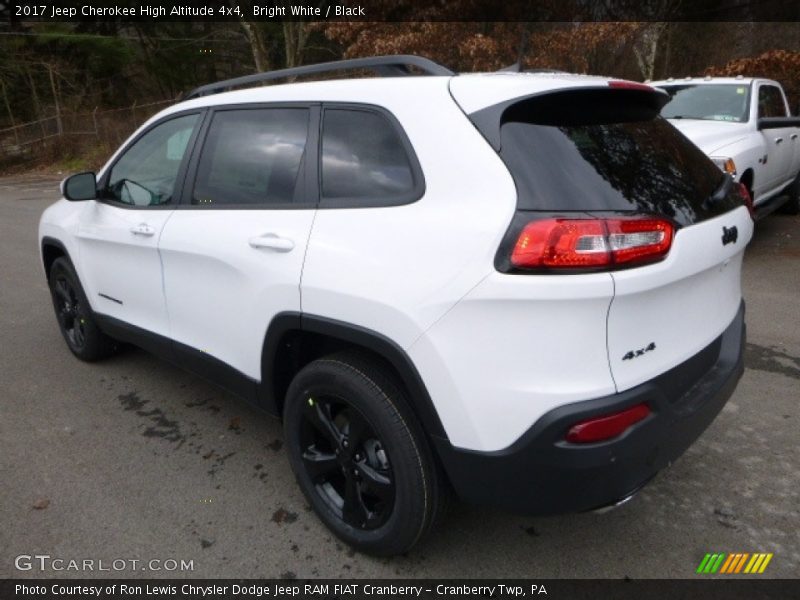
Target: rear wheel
74,315
359,456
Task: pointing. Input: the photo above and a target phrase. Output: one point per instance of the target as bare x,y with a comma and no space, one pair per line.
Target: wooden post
59,125
10,114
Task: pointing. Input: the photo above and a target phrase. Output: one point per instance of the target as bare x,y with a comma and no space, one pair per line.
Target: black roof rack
386,66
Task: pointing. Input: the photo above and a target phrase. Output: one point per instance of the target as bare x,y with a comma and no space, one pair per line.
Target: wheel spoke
319,463
354,511
357,428
376,482
62,292
78,332
319,415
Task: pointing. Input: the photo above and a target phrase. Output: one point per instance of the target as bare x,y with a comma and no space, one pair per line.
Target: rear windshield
637,166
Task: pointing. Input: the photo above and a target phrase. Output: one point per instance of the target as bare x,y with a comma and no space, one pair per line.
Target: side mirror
777,122
81,186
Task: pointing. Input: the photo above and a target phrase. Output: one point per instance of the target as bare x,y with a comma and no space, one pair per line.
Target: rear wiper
720,193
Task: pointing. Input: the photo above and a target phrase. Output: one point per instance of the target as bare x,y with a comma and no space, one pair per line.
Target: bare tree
646,48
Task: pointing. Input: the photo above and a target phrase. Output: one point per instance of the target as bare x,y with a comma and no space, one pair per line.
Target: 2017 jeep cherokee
524,287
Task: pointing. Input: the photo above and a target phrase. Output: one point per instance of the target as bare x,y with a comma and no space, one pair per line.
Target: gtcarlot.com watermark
46,563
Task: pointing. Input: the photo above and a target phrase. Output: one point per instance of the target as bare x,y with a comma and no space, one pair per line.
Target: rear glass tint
363,158
632,166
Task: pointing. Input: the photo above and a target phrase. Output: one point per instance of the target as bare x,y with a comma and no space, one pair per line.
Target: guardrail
111,126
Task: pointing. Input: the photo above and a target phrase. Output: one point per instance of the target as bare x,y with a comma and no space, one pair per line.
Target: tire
74,315
360,456
792,205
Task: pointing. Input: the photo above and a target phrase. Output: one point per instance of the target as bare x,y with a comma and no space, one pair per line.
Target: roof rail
386,66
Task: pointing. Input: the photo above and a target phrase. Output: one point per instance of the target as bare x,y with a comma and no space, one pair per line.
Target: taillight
748,199
591,243
606,427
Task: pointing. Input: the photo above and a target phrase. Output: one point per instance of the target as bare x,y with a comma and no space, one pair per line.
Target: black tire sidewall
412,477
793,204
96,345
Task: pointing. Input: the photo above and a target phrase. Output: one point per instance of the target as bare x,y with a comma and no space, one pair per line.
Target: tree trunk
295,37
646,50
37,106
257,46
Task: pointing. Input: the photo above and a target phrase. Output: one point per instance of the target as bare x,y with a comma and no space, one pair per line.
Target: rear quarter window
366,160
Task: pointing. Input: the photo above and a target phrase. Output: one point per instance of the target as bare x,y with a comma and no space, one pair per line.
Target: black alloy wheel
360,455
347,462
74,315
70,312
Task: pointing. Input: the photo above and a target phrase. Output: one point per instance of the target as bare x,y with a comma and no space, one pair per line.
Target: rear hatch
599,151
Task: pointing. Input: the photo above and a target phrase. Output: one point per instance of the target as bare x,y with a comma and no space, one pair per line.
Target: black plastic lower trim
377,343
542,473
183,356
770,206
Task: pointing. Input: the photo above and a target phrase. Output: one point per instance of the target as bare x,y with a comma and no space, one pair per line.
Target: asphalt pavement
133,459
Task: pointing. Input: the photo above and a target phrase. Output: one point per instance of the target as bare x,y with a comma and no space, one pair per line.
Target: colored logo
741,562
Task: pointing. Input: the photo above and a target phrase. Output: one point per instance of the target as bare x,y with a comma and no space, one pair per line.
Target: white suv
522,287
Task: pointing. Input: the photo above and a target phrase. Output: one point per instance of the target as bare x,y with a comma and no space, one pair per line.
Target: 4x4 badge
729,236
634,353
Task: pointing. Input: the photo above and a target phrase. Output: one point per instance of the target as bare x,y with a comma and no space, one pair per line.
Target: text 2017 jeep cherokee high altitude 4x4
525,287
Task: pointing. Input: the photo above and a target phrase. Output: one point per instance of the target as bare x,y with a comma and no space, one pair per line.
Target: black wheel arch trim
377,343
55,243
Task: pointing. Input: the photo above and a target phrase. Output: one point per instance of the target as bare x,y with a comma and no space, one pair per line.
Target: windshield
709,102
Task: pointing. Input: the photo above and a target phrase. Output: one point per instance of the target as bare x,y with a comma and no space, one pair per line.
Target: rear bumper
541,473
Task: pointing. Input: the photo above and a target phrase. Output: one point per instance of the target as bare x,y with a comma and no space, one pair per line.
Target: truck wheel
792,205
359,455
74,315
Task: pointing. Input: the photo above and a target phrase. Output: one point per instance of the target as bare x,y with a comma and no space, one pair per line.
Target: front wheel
74,315
359,455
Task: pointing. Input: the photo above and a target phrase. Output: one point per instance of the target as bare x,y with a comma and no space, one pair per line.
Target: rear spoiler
615,102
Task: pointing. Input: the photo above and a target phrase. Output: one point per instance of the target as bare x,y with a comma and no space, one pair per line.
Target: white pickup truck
745,126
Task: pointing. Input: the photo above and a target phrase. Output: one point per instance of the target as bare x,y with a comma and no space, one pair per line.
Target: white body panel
514,348
118,250
221,291
396,270
680,304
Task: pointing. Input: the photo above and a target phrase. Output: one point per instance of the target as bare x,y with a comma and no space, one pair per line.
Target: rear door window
364,159
770,102
252,157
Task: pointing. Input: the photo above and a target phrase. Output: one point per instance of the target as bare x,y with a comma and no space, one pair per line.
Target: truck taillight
748,199
560,243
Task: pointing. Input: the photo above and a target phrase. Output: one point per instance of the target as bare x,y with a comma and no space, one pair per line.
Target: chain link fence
71,135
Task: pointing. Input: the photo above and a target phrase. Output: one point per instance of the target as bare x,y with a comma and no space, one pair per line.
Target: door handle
793,136
142,229
778,140
272,242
